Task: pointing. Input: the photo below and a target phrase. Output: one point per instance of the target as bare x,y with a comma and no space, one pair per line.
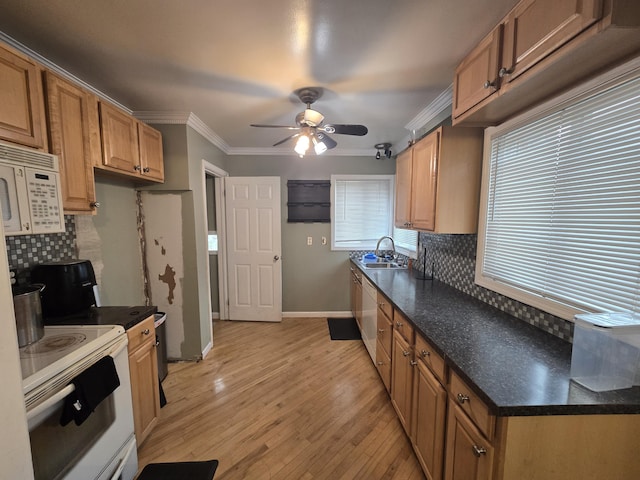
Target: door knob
276,258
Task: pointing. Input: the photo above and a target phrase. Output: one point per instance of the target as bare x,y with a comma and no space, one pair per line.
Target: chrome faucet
393,246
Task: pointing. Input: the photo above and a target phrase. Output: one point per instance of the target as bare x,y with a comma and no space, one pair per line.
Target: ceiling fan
310,127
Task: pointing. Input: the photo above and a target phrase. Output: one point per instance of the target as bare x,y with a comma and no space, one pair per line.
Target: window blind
563,204
362,211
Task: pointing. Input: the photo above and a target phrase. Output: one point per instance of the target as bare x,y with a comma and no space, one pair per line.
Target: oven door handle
123,462
49,402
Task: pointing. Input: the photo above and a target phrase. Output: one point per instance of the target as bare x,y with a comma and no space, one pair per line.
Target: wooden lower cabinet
402,379
383,364
428,428
143,369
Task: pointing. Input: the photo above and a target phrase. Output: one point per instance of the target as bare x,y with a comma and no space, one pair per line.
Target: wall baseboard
343,314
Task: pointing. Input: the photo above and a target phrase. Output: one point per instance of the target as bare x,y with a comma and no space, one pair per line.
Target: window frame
592,87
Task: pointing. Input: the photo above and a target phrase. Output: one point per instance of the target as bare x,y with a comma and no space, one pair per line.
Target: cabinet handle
503,72
478,451
405,353
489,84
462,398
380,363
398,324
146,169
413,363
145,331
424,353
94,204
381,330
381,304
137,168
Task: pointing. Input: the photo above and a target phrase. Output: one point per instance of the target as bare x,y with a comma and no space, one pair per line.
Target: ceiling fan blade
358,130
286,139
327,140
274,126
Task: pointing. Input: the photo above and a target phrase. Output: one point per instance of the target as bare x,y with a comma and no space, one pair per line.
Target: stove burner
53,343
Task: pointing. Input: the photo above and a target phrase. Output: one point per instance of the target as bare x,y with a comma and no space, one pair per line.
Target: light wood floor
282,401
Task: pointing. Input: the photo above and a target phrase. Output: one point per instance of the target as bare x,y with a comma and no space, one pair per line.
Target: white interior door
254,248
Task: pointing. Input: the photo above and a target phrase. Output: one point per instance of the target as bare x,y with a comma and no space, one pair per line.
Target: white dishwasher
369,317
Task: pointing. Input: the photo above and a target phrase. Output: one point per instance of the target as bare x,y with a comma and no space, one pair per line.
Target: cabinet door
68,116
469,456
21,111
535,28
423,183
402,379
383,364
476,78
385,331
119,140
143,368
403,189
427,433
151,159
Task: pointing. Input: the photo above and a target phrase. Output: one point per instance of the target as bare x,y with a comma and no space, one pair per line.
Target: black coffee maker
71,287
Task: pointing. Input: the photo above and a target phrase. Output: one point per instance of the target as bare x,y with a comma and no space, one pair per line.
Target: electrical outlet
309,241
324,240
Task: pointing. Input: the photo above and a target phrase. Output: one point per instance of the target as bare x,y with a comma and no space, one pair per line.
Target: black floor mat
180,471
343,329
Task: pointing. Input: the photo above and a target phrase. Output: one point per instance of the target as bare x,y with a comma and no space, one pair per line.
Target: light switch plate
309,240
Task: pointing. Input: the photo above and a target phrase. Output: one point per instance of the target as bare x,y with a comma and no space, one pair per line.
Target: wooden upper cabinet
151,160
476,78
21,111
68,115
119,139
443,170
535,28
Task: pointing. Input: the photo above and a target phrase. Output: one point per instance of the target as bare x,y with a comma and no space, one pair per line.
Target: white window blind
563,206
406,241
362,210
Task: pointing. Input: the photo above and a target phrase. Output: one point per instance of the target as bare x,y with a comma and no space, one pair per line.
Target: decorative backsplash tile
25,251
452,258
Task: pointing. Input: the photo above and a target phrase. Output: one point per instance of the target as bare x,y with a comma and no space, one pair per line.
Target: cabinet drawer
383,364
385,305
384,332
471,404
402,326
141,333
433,360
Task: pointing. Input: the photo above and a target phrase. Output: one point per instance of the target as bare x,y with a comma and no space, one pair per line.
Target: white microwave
30,195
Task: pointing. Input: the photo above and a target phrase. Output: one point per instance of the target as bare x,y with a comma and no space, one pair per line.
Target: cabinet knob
489,84
145,331
478,451
146,169
405,353
462,398
503,72
398,324
413,363
380,363
137,168
94,204
381,330
424,353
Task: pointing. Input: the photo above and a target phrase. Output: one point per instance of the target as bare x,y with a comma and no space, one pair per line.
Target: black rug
343,329
180,471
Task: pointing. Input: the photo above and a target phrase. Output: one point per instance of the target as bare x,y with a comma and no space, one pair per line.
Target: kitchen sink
384,265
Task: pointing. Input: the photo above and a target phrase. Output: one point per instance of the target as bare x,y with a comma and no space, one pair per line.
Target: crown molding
441,102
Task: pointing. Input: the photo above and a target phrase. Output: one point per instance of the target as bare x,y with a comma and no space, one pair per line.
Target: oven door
90,450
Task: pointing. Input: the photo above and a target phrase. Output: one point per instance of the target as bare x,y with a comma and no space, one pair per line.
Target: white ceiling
381,63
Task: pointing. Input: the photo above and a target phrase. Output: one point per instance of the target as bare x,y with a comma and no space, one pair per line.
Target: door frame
223,288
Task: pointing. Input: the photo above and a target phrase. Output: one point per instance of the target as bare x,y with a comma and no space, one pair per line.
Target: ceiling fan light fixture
383,146
319,147
302,145
312,118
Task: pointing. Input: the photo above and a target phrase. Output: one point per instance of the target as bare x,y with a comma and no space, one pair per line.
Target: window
362,212
561,229
212,241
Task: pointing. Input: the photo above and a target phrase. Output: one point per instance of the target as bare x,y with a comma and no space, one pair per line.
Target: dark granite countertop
125,316
516,368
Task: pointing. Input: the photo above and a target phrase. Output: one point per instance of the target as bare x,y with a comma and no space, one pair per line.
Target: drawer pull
424,353
405,353
479,451
146,331
462,398
413,363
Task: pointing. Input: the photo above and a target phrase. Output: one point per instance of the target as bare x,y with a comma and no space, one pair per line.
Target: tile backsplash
452,258
25,251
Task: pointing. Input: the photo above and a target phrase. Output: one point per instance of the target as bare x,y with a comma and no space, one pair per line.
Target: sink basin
384,265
